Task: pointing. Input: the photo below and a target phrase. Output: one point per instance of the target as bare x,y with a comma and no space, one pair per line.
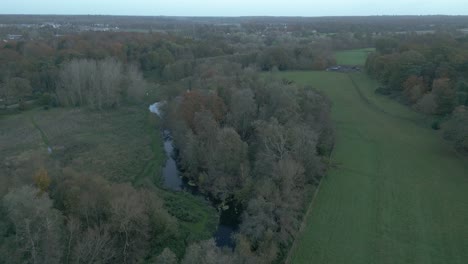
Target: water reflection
171,175
228,222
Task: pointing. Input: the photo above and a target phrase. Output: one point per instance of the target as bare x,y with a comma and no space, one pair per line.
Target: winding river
228,220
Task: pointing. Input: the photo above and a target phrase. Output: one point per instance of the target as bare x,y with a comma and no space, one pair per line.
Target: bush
436,125
45,99
383,91
21,105
456,129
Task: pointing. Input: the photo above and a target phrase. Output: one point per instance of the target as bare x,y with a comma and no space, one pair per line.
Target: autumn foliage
197,101
42,180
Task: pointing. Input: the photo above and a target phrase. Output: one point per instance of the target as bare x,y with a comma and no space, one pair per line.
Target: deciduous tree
38,226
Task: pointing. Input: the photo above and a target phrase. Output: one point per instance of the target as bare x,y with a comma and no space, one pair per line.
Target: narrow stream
228,220
172,179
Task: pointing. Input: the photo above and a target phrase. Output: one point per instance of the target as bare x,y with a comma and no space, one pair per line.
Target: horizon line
230,16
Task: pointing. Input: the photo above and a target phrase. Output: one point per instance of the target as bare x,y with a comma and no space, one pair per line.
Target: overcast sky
236,7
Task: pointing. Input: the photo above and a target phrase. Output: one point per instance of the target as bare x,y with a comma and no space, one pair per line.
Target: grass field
398,192
111,144
352,57
121,145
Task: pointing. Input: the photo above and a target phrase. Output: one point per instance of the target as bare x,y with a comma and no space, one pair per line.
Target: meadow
352,57
113,144
396,192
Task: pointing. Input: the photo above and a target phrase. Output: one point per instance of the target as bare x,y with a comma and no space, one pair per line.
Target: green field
352,57
397,192
113,144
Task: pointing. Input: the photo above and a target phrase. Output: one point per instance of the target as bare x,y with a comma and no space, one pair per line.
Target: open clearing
121,145
398,192
352,57
113,144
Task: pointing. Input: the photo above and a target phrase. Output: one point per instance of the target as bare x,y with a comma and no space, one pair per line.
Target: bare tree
137,86
37,225
274,139
130,220
207,252
166,257
98,84
242,111
73,230
94,246
15,88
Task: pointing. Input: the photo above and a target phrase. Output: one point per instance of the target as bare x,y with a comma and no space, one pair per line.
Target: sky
236,7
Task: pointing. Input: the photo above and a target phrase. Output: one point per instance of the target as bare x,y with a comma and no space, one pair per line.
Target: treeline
428,72
322,24
253,141
295,57
275,58
31,68
99,84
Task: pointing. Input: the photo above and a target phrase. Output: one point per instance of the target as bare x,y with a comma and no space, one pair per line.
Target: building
14,37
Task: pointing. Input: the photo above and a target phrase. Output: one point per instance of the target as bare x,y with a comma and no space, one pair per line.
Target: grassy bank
398,192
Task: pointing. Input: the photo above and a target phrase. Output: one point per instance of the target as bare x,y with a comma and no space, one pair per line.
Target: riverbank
171,180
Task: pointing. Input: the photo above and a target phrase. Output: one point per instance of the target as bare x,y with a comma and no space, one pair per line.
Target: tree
271,219
259,226
462,92
166,257
456,129
408,63
98,84
216,159
137,86
289,177
208,253
198,150
444,96
73,230
42,180
386,45
95,245
274,139
227,171
281,103
199,101
258,218
305,150
178,70
427,104
83,196
15,88
316,113
242,111
414,88
130,220
4,93
38,226
110,222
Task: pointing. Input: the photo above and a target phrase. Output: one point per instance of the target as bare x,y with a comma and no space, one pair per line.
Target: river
172,180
